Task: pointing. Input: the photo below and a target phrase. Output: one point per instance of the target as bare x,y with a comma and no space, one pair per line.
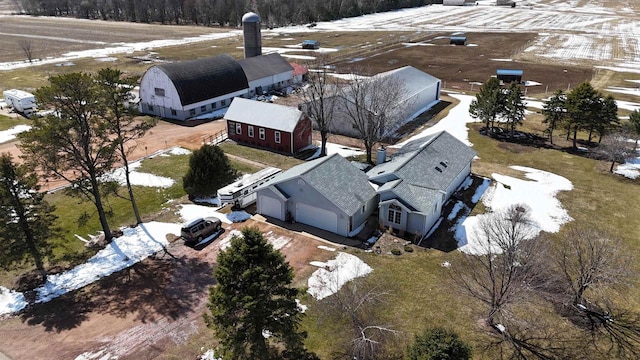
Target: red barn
269,126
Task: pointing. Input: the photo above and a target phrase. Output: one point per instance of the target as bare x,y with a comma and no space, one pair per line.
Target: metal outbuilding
310,44
509,75
458,40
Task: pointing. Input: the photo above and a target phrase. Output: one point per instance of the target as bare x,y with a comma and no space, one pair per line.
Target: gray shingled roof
417,197
203,79
336,179
426,166
258,67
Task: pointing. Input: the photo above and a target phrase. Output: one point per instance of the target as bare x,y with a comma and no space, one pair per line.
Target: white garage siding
317,217
269,206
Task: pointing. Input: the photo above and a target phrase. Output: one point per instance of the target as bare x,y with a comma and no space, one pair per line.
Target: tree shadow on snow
152,289
62,313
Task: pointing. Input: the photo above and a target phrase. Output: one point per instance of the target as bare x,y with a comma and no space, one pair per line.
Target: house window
250,131
363,209
276,136
232,128
261,133
203,108
238,129
213,106
395,214
223,102
159,91
174,112
192,112
150,108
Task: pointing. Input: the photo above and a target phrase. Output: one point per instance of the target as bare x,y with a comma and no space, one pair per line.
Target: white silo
251,31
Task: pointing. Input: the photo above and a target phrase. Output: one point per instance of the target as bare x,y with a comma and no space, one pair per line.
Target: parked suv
200,228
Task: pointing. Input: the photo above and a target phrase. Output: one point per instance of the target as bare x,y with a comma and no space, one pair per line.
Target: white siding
156,78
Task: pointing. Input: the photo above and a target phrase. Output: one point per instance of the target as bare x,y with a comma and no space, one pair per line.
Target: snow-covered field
569,31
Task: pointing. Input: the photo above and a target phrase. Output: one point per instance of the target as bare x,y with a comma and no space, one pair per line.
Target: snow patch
538,193
11,134
335,273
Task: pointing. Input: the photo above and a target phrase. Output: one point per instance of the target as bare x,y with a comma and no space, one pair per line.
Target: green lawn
422,293
261,156
7,122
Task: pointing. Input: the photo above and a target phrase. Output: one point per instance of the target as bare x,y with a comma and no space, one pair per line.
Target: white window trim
238,129
261,133
276,137
395,214
250,130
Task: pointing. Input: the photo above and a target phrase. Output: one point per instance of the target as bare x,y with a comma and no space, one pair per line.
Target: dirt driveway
163,136
139,312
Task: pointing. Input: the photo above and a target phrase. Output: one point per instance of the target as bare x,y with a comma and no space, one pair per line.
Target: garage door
317,217
270,207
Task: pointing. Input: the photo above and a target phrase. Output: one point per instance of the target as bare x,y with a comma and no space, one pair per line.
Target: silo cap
250,17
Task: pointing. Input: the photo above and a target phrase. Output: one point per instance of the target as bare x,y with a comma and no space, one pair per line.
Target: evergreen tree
514,107
489,103
438,344
116,92
252,307
74,143
209,170
608,119
26,219
583,109
554,112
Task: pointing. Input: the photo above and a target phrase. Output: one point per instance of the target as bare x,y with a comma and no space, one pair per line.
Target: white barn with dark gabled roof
187,89
266,72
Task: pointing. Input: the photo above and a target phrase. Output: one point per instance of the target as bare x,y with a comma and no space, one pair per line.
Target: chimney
381,156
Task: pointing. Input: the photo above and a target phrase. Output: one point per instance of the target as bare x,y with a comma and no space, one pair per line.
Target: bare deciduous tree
616,148
505,270
588,268
357,304
589,259
371,105
320,96
27,48
503,279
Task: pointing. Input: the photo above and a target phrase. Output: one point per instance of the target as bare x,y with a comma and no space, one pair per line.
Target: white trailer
21,101
242,193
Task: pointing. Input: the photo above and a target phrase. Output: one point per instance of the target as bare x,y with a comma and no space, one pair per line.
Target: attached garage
269,206
342,197
317,217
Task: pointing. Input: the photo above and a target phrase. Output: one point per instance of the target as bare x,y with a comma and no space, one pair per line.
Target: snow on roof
268,115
